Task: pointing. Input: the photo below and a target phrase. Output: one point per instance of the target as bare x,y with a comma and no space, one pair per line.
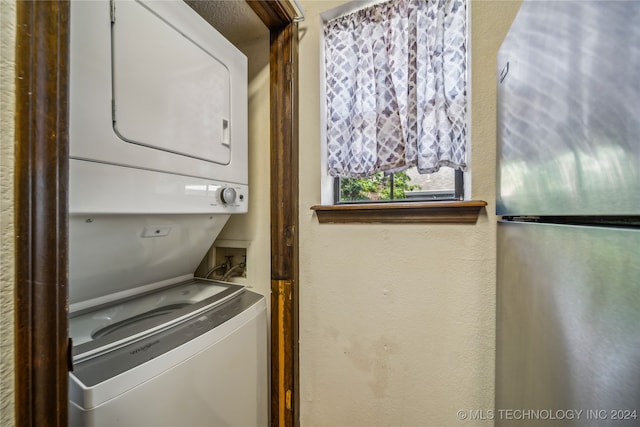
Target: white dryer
158,111
158,163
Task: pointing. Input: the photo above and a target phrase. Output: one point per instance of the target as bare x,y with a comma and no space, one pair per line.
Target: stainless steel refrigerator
568,191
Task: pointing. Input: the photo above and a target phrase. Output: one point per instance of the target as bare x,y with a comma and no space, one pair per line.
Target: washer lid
169,92
106,328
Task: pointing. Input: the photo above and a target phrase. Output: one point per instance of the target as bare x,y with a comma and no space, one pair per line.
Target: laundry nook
158,164
319,213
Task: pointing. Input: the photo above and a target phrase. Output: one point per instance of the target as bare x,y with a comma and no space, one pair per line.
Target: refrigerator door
568,316
568,102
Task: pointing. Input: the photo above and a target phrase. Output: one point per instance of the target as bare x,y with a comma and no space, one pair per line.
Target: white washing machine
152,344
193,354
158,163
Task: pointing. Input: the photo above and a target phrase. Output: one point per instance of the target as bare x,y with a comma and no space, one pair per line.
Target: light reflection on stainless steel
568,310
569,110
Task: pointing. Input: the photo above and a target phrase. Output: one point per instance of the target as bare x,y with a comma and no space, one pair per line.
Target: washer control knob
227,195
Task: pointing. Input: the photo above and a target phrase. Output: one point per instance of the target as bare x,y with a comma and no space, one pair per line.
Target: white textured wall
254,228
7,125
397,321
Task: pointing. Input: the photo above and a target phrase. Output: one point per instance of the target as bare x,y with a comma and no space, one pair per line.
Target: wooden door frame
41,179
41,211
279,16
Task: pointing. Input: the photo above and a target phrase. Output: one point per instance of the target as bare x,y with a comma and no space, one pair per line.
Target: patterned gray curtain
396,88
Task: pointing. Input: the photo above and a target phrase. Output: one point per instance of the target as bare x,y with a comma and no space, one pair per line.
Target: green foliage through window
377,187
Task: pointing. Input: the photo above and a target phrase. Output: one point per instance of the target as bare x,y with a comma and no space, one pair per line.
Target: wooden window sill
452,212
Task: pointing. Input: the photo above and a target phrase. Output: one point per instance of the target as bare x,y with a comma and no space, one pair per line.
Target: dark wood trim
284,226
279,16
466,212
42,54
276,14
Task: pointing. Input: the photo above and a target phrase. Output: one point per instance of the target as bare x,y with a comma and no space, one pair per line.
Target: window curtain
396,88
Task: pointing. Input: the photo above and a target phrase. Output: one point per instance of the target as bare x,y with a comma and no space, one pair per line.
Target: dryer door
169,92
155,88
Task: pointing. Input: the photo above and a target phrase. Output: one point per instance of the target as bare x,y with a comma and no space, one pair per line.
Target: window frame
329,195
464,210
457,193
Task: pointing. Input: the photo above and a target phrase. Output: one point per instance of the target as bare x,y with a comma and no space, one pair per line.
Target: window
409,185
395,116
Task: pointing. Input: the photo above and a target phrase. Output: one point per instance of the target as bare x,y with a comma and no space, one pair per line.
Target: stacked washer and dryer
158,163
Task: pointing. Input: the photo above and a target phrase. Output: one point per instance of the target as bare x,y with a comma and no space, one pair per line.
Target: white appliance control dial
227,195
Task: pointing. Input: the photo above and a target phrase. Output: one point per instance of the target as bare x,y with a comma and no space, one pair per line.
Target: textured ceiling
234,19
